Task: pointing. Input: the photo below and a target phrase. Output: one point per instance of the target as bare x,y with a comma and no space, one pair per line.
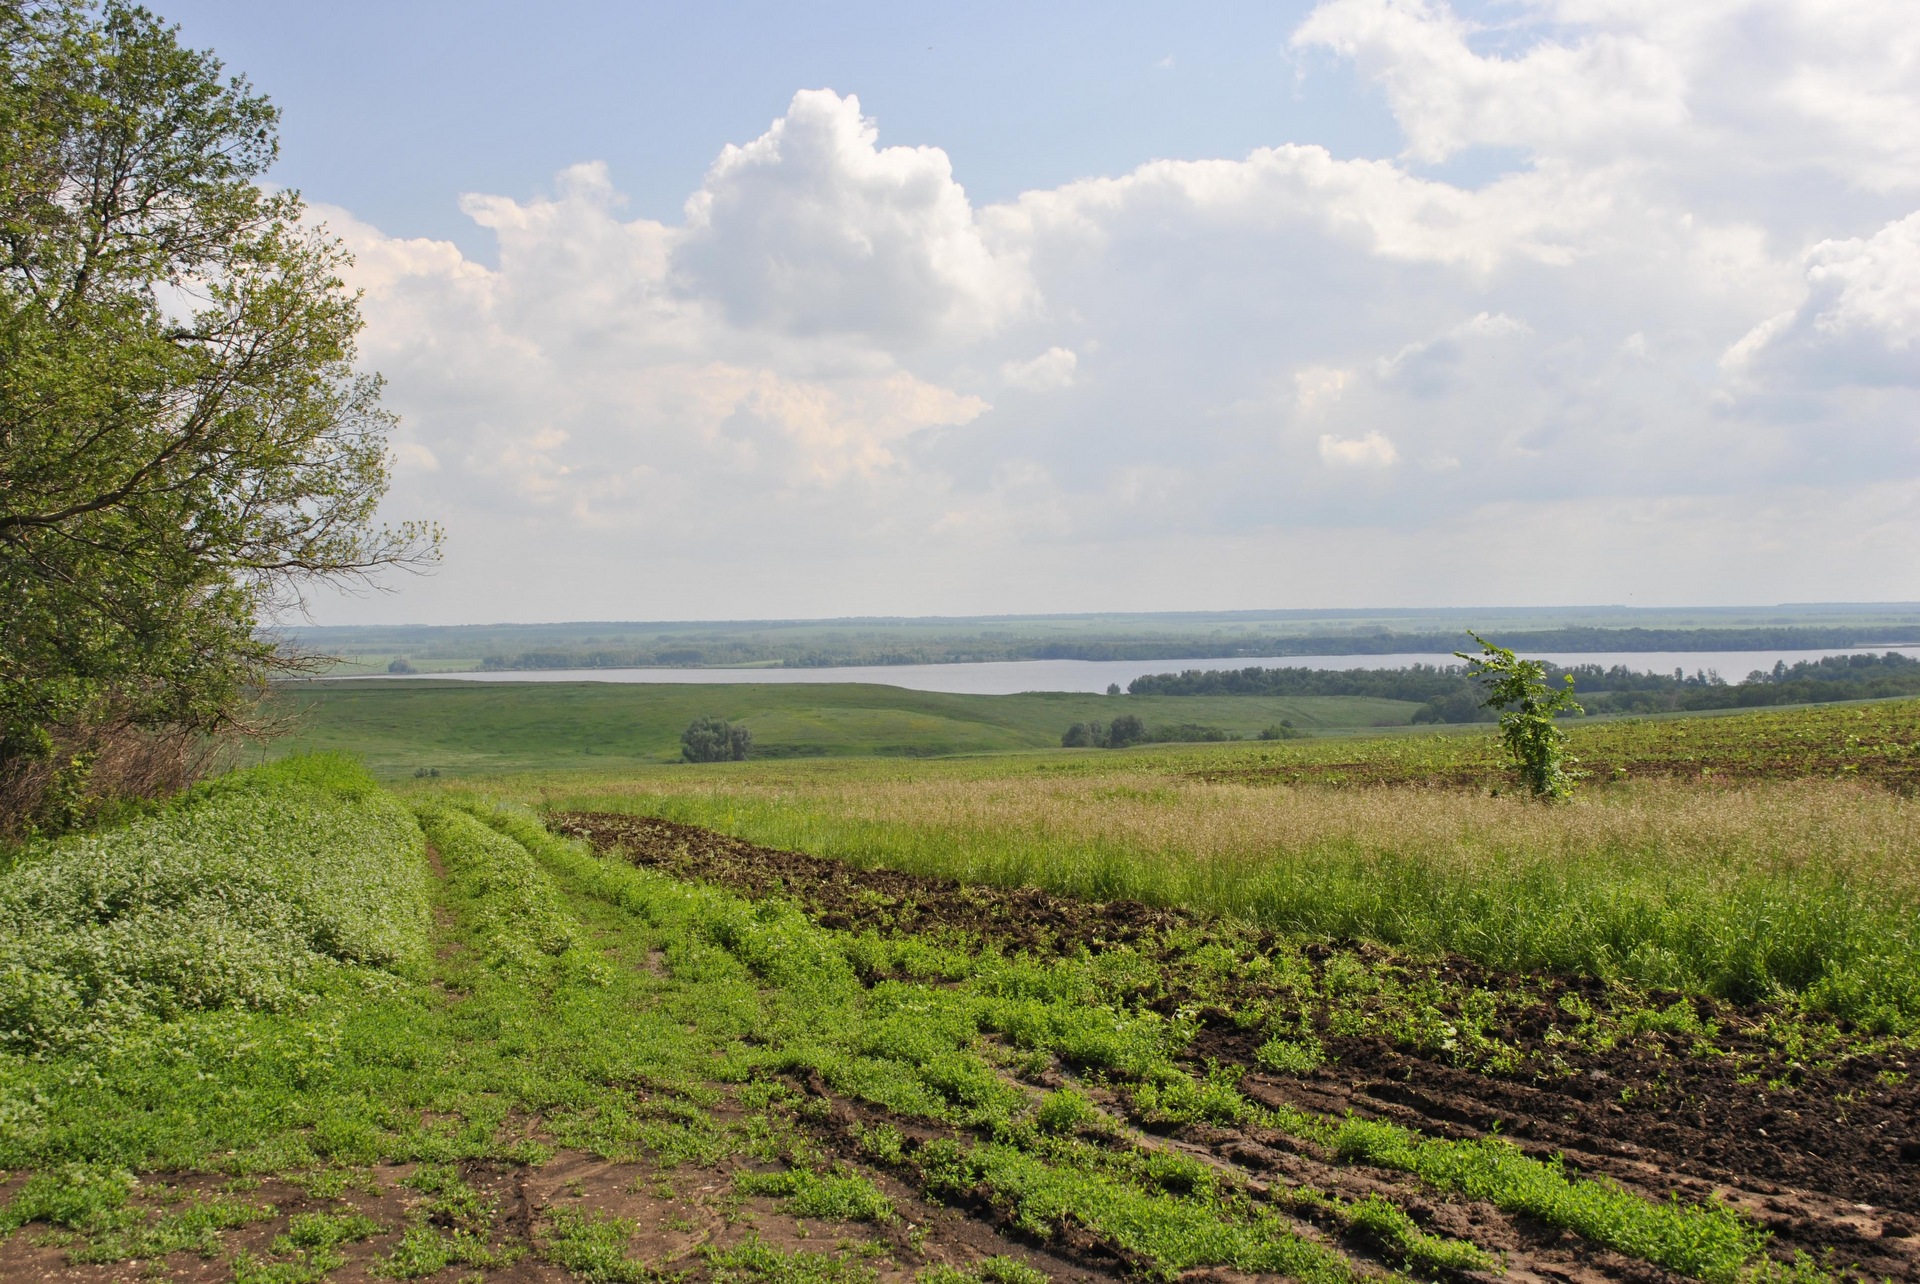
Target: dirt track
1826,1157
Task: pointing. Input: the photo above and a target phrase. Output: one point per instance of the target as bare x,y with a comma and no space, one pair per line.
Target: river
1006,677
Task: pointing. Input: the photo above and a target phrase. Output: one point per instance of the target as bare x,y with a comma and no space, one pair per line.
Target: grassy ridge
465,727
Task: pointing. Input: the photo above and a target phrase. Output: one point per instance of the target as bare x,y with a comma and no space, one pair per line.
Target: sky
750,311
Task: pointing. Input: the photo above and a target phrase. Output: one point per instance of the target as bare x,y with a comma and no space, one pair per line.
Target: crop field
1222,1013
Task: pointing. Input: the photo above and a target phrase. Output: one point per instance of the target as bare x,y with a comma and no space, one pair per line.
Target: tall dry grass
1801,888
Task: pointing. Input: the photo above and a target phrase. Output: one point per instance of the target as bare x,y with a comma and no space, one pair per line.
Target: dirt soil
1826,1156
677,1212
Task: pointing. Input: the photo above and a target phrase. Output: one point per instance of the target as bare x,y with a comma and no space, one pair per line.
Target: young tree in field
185,444
715,740
1528,705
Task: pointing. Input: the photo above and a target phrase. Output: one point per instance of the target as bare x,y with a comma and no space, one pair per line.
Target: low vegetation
298,1025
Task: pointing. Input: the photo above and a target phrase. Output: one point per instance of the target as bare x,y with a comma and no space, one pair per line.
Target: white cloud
1598,89
1051,371
1858,322
813,228
1370,451
1688,308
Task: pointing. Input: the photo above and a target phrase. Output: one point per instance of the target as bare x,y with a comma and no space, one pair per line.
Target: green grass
459,727
533,1001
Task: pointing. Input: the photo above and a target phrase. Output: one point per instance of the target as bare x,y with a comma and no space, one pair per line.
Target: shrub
714,740
1126,730
1085,735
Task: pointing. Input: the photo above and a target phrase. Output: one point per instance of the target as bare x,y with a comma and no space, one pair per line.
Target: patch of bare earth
677,1213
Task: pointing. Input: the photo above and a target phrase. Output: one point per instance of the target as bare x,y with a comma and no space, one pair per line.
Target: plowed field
1808,1129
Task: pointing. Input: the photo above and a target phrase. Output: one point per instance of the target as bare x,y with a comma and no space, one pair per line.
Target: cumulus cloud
814,228
836,384
1858,323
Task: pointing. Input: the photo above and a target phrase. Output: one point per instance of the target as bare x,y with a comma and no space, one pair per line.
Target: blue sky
393,109
706,311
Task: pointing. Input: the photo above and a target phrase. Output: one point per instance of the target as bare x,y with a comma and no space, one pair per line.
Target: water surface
1006,677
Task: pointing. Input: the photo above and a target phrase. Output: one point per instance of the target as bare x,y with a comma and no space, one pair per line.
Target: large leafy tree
185,443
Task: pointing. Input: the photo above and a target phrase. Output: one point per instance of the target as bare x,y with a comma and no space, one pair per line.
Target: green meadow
464,727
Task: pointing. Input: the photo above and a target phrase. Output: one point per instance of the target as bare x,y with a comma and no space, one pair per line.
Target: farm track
1826,1156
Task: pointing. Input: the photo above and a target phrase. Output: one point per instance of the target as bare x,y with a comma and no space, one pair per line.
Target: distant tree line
816,653
1449,693
1129,730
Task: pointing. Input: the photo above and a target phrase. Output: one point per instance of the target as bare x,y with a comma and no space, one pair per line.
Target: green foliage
594,1247
246,894
1169,1233
469,1215
1292,1056
1710,1242
1528,705
194,1228
837,1197
166,481
326,1230
621,1060
1128,729
992,1270
1389,1224
752,1262
1066,1111
715,740
1085,735
302,1266
473,727
78,1195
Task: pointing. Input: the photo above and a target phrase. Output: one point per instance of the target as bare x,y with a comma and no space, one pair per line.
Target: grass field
296,1028
466,727
1331,1010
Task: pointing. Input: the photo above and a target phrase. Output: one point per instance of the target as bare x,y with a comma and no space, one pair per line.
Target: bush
1281,730
1085,735
715,740
1126,730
